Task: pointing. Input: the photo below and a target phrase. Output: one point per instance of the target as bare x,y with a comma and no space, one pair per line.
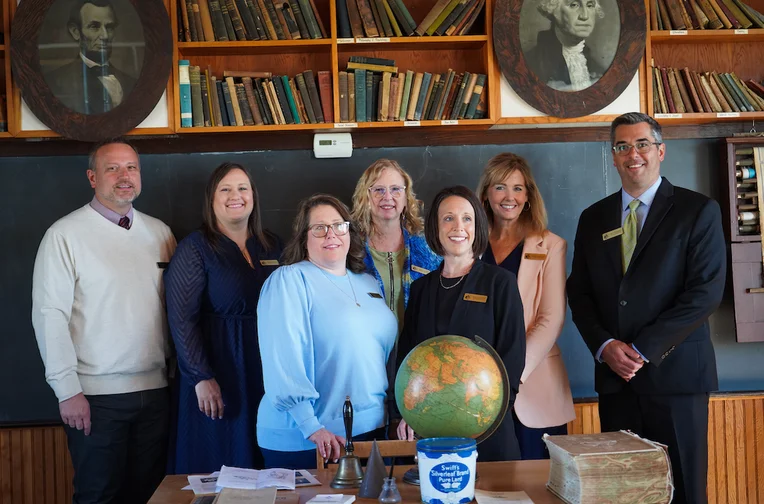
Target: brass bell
349,472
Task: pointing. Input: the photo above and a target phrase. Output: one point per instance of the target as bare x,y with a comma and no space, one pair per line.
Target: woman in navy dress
212,288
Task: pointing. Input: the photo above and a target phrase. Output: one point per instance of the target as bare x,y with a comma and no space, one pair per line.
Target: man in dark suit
648,270
90,84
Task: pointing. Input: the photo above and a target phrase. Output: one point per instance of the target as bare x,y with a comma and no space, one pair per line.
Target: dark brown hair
533,218
297,248
209,221
481,221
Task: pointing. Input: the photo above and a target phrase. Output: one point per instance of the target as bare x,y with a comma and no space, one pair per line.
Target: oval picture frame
137,105
569,104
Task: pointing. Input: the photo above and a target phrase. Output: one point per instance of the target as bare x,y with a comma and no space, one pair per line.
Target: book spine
704,101
275,21
250,29
444,95
401,17
416,89
475,98
409,21
238,24
343,83
360,95
192,22
218,24
441,30
267,20
675,13
370,97
716,106
197,20
280,18
736,13
228,99
262,101
300,19
356,25
184,91
375,17
675,95
224,121
246,111
196,96
234,101
305,94
407,82
466,12
351,97
371,61
431,17
227,20
352,65
467,95
325,90
383,22
319,21
183,10
392,98
664,15
291,22
310,19
467,26
714,22
257,117
460,96
688,84
315,100
682,91
254,11
206,17
391,17
278,86
205,99
290,99
702,18
343,20
217,119
244,73
298,102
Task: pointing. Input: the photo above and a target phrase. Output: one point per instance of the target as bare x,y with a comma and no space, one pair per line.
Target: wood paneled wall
35,467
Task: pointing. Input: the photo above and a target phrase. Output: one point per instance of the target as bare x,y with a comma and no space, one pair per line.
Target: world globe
451,386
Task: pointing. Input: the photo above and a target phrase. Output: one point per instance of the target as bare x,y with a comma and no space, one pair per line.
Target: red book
667,90
325,90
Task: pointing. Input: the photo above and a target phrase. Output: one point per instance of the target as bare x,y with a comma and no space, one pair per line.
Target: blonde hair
533,219
411,220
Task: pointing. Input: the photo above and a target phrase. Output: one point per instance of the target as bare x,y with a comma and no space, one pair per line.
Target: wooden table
529,476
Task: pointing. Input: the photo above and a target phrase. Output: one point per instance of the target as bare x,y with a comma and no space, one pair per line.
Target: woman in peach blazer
521,243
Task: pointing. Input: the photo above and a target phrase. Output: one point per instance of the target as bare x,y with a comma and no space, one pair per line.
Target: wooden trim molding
35,467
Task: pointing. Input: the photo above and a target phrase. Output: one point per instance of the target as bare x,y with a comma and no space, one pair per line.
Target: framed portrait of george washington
569,58
91,69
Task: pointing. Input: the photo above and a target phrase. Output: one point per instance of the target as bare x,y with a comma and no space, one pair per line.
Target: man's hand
405,432
622,359
328,444
210,399
75,412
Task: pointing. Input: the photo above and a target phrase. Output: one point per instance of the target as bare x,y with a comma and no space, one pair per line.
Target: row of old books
379,93
685,92
221,20
703,15
373,18
253,98
391,18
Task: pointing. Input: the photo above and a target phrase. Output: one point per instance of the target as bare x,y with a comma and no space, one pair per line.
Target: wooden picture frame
136,104
568,104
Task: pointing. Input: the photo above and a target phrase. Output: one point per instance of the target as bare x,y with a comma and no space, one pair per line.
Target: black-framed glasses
641,147
321,230
378,191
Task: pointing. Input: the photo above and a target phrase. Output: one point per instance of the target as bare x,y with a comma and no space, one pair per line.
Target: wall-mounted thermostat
332,145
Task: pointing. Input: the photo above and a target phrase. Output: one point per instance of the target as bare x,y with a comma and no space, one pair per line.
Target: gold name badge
269,262
419,270
375,295
476,298
612,234
535,257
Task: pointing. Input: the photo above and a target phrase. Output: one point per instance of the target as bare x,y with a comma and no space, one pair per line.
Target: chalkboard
571,176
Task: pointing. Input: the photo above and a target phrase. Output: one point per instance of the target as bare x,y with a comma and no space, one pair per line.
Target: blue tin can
447,470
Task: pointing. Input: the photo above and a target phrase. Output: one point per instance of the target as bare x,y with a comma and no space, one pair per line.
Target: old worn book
690,87
713,18
676,15
683,92
664,15
701,92
612,468
702,18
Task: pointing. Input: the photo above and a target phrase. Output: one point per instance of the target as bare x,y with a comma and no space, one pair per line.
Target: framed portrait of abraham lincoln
569,58
91,69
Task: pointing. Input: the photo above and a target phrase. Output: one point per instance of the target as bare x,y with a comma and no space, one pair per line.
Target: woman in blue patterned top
325,333
387,213
212,289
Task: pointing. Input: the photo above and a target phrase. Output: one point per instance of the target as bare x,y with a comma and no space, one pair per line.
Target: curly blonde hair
411,219
497,170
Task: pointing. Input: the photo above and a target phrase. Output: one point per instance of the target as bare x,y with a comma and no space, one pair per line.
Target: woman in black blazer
467,297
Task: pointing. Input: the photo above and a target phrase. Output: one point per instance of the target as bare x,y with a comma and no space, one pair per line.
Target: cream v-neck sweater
98,304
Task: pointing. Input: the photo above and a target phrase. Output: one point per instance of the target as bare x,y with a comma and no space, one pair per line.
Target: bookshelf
721,50
5,70
434,54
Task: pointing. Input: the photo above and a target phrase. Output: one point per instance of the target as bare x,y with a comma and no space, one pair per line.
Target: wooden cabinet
741,208
723,50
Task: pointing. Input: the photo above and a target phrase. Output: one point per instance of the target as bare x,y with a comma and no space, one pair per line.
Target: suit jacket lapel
530,269
612,220
429,305
661,205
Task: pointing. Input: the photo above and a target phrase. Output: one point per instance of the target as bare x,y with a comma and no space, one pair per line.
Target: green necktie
629,238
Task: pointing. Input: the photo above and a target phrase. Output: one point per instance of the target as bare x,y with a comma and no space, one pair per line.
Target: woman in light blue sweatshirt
325,333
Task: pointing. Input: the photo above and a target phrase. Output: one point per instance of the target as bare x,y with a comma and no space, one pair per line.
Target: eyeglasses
396,191
641,147
321,230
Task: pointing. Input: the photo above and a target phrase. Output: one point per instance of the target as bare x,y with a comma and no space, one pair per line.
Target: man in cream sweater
99,318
